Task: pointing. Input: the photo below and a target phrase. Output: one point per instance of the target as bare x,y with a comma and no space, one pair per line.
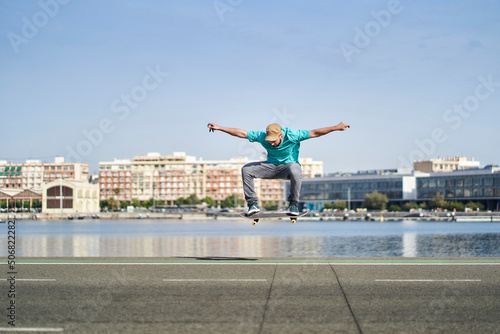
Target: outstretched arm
323,131
233,132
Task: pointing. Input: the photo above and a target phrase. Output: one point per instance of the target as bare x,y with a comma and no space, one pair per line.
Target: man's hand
212,127
342,126
233,132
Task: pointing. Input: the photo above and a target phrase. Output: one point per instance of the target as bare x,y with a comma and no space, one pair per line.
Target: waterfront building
168,178
10,196
403,186
445,164
398,185
476,185
115,179
71,197
33,173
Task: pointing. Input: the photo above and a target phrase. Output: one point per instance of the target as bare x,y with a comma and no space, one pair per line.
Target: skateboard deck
270,215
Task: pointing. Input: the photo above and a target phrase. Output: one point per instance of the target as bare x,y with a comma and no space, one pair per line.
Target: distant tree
193,200
113,203
395,208
209,200
474,205
103,203
36,203
376,201
271,206
123,204
455,205
231,202
327,206
148,203
438,201
408,206
190,200
136,203
340,205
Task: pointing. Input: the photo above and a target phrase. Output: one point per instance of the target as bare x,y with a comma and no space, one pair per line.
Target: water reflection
231,239
149,246
410,244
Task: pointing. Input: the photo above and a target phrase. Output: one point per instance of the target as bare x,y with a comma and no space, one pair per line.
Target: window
54,197
488,181
477,182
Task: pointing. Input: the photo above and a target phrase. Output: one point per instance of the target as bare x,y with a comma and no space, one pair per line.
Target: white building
70,197
445,164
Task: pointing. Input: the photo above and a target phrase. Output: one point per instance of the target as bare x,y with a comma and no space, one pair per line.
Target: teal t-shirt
288,151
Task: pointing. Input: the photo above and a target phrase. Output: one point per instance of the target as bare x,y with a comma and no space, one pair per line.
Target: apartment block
34,173
445,164
170,177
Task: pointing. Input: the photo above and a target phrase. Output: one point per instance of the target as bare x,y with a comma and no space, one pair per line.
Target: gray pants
267,170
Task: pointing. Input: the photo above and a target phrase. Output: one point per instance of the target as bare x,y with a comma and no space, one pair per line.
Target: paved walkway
202,295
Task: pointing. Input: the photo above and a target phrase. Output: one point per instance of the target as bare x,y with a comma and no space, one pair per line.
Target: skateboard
268,215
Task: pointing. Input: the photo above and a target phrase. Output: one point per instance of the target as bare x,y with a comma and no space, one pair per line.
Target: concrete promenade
252,295
482,216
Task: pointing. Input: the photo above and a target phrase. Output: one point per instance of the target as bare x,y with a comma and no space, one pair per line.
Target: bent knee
295,170
295,167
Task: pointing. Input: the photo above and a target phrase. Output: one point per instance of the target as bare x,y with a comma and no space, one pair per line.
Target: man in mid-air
282,146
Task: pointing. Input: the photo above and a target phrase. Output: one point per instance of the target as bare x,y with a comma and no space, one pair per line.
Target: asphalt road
147,295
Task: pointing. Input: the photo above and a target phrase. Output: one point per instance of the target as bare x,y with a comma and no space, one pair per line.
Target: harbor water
238,238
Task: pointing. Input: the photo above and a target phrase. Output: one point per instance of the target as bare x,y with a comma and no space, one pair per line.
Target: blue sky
98,80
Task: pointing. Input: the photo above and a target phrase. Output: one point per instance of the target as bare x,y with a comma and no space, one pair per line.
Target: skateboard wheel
293,220
255,222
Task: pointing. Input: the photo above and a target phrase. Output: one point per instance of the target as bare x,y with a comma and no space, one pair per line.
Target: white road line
416,264
427,280
262,264
33,279
170,264
216,280
30,329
